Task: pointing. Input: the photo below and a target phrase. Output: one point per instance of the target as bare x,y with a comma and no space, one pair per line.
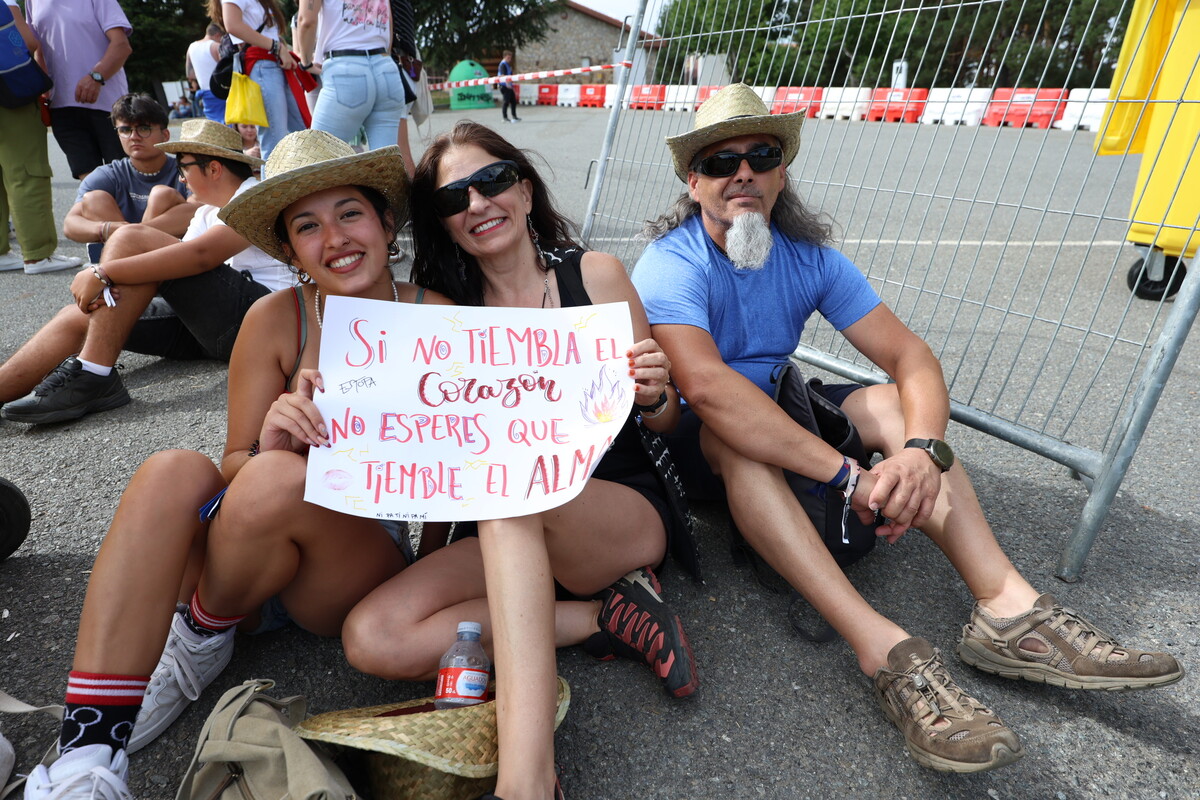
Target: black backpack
21,79
222,74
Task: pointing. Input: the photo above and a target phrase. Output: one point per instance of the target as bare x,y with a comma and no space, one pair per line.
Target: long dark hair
270,8
438,263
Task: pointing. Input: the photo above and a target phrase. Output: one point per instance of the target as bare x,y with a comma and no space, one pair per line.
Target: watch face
943,456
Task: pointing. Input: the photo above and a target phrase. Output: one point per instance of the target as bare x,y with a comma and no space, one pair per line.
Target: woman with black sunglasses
485,233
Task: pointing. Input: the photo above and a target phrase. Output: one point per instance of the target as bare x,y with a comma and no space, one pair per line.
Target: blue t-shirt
130,188
755,317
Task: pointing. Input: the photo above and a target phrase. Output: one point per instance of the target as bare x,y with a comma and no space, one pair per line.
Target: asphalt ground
776,716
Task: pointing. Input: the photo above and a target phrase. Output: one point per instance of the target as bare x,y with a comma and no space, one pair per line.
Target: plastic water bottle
464,670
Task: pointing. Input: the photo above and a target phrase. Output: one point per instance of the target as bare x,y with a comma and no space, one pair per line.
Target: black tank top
626,456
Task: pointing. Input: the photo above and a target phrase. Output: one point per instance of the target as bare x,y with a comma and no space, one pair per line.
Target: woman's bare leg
268,541
152,551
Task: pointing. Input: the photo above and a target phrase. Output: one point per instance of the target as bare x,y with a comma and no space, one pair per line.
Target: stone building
581,37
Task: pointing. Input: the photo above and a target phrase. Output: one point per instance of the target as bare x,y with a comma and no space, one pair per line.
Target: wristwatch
939,451
97,77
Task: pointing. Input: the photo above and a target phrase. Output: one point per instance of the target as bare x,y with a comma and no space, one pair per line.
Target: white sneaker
52,264
94,772
10,261
7,759
189,663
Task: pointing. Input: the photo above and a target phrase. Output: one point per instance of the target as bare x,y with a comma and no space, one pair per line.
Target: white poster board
446,413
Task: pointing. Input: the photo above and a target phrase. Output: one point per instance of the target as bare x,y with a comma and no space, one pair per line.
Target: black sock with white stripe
101,709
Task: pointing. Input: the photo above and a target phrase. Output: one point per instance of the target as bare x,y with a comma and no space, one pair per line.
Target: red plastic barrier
897,105
547,94
652,97
705,93
790,99
1021,107
592,95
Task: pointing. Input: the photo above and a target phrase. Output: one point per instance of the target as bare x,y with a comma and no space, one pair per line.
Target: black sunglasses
182,166
724,164
489,181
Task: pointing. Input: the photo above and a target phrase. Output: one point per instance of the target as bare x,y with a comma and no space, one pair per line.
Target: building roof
648,39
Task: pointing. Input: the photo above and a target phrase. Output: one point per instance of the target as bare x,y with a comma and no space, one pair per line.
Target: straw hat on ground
306,162
734,111
415,751
207,138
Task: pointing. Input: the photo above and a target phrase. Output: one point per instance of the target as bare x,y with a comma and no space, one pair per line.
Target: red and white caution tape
529,76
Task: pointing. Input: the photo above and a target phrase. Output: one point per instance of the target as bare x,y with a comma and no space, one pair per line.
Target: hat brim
254,211
784,127
200,148
460,741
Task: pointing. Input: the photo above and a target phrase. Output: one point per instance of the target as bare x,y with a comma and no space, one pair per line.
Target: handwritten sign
445,413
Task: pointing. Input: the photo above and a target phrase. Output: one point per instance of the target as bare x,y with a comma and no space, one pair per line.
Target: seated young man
731,278
126,191
205,284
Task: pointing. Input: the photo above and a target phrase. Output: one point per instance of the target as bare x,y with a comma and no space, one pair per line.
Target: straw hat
734,111
306,162
207,138
414,752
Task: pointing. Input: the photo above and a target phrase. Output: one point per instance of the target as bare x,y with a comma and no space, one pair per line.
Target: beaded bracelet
100,276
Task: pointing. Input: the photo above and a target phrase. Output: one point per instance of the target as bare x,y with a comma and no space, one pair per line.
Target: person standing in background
404,51
506,89
84,47
201,61
25,180
361,85
259,24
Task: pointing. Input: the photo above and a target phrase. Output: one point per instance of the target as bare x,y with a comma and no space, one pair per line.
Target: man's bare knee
133,240
100,206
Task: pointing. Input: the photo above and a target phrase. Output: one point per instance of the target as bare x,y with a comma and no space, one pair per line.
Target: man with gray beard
734,271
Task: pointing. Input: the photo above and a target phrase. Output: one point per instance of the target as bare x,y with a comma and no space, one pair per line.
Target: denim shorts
274,615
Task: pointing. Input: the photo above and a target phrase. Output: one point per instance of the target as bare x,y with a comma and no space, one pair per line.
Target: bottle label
462,683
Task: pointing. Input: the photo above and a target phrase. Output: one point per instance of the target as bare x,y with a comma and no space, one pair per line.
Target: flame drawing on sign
602,401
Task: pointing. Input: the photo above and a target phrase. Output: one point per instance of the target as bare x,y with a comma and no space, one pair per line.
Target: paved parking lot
776,716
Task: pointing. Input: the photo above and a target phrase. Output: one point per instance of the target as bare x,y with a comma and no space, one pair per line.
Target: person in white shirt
361,85
201,61
151,293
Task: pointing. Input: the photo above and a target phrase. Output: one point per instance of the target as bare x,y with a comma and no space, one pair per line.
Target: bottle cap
470,627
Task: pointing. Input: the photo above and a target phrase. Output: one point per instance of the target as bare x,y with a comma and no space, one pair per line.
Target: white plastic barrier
767,93
528,94
956,106
845,103
681,98
1085,109
610,97
568,94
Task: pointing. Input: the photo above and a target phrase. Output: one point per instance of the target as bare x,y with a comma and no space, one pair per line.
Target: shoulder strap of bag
11,705
232,705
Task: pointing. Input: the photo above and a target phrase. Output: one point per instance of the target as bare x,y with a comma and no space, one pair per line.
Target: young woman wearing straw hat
266,555
485,233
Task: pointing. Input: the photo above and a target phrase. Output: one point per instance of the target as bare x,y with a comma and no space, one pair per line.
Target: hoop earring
303,277
393,248
537,245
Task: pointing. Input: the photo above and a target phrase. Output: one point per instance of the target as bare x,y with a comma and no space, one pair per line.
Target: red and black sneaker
636,624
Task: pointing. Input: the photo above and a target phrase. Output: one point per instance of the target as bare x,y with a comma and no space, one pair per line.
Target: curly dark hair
438,263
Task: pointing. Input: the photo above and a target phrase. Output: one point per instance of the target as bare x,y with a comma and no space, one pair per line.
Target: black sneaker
68,393
636,624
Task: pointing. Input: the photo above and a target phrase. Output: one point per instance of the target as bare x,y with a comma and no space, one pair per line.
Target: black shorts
196,317
87,137
699,482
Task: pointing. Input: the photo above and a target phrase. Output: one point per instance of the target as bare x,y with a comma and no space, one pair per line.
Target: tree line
1062,43
447,32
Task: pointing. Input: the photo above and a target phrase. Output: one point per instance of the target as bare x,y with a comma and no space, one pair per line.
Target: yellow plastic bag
245,103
